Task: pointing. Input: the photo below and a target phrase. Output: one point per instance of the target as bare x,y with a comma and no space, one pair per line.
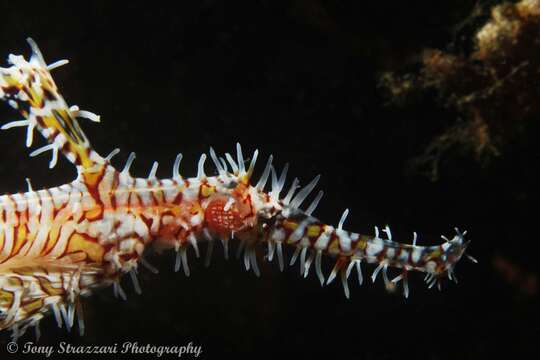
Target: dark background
299,80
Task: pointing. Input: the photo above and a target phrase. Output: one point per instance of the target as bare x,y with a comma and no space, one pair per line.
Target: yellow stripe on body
33,306
6,299
64,123
20,239
79,243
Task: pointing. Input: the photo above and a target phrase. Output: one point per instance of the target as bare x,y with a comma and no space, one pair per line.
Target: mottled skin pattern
60,243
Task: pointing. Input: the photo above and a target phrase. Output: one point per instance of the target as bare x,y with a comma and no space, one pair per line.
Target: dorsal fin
29,88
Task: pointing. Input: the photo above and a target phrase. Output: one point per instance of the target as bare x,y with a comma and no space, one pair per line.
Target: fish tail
312,239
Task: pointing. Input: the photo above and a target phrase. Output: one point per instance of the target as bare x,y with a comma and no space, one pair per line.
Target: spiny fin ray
29,88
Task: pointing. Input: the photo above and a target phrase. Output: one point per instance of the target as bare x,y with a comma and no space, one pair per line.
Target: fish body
61,243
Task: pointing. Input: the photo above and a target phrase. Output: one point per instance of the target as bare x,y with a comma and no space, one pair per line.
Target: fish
60,244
